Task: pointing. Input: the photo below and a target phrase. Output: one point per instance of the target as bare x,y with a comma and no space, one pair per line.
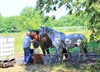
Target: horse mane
36,31
48,29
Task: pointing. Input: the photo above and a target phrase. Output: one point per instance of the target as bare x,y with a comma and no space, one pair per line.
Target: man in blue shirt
26,46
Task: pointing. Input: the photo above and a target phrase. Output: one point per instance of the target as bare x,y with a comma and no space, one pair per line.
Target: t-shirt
27,42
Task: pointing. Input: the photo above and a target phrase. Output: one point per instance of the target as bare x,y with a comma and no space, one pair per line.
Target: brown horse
44,41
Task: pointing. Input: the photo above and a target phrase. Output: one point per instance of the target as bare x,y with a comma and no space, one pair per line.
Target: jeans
28,55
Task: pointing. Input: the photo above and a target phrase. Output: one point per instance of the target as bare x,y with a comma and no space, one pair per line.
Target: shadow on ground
70,65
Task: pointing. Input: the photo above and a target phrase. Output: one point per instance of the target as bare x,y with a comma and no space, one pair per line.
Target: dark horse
45,42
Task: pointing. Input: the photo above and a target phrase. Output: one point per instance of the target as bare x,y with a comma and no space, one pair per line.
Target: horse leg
49,57
65,52
85,51
43,52
45,60
79,54
59,55
48,51
83,48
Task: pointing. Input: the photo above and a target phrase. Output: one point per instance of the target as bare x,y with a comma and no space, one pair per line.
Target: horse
44,41
62,41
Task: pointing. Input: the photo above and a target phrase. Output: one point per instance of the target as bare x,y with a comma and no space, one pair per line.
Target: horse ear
42,26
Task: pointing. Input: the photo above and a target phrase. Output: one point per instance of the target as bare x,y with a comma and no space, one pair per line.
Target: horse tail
85,46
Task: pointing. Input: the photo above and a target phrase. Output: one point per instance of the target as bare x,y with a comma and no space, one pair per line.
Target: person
26,47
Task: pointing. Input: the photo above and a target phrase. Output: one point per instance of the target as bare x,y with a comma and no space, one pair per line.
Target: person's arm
32,40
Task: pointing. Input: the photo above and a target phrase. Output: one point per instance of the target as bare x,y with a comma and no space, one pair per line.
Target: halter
35,36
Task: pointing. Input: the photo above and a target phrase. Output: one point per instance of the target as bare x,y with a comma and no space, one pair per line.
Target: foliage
80,7
9,24
68,20
93,10
95,68
71,20
94,46
1,24
30,18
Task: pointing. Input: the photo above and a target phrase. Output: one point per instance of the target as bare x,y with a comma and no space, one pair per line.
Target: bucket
38,58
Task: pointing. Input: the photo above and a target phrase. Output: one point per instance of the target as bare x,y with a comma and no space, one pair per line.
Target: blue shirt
27,42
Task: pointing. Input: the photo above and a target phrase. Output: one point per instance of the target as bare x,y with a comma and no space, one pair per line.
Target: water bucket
38,58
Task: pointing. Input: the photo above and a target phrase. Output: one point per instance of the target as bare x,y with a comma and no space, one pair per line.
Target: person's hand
32,40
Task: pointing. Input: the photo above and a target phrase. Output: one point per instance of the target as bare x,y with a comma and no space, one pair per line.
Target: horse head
34,34
41,31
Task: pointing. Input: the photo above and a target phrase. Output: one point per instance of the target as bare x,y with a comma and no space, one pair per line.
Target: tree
11,24
30,18
80,7
1,24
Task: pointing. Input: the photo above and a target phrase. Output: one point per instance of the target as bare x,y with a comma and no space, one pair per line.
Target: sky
14,7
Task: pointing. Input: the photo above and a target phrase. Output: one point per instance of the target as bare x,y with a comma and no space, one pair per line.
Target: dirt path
19,57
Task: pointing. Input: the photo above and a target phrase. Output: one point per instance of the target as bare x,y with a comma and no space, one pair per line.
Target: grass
51,68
